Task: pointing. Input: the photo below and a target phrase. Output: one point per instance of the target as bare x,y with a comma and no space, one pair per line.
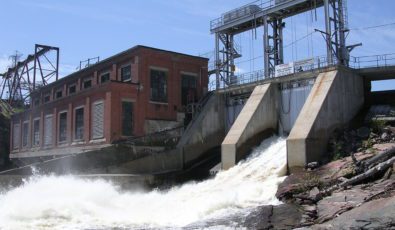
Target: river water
68,202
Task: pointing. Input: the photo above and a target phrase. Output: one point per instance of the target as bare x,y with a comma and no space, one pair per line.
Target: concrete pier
335,99
257,119
206,131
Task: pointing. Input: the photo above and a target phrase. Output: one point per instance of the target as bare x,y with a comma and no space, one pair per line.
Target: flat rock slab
284,216
383,146
376,214
338,203
343,201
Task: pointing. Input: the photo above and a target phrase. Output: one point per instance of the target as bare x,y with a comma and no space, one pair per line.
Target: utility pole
15,58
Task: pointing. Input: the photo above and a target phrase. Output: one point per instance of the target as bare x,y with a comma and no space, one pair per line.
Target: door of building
188,89
127,118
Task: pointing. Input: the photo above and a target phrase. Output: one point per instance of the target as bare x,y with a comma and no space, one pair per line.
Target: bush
377,125
310,181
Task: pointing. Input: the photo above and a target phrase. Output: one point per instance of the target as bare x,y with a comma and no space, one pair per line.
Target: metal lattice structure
26,76
270,14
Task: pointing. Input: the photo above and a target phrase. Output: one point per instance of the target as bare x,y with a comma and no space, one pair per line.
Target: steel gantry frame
19,81
270,15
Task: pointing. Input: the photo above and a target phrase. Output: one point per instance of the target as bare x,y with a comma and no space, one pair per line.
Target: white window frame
75,125
39,133
120,72
85,80
23,134
56,94
58,128
167,84
92,114
16,139
68,89
45,95
45,119
104,73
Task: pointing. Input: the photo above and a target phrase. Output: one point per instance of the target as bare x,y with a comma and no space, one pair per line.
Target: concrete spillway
330,102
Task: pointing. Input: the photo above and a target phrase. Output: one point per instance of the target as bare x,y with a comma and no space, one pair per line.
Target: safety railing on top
372,61
241,12
382,60
312,64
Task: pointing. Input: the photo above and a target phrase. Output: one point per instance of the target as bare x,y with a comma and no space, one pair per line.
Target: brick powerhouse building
138,91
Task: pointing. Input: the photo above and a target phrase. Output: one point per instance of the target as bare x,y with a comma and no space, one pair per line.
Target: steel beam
217,62
266,47
328,32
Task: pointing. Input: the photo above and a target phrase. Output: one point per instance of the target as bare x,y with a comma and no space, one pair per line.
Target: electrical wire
286,46
311,35
374,27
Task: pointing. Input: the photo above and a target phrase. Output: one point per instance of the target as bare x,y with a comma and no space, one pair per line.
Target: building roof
137,47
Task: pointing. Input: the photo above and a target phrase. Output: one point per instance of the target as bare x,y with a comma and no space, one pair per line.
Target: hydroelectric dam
303,100
246,132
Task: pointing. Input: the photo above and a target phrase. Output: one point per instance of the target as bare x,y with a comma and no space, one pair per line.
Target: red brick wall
175,64
113,93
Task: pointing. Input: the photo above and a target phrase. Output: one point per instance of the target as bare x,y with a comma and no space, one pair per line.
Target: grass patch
377,125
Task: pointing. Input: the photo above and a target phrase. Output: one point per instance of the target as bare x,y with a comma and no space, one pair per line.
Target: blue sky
90,28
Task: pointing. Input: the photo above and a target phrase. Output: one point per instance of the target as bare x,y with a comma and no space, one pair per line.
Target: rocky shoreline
354,192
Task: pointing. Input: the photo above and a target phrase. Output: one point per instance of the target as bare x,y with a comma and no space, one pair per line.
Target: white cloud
240,70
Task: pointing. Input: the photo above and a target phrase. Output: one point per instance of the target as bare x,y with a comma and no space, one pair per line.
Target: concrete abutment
256,120
335,99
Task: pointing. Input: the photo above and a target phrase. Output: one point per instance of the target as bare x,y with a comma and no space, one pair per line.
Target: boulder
363,132
290,186
385,136
315,194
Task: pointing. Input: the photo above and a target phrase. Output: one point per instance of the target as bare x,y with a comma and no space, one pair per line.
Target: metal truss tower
19,81
270,15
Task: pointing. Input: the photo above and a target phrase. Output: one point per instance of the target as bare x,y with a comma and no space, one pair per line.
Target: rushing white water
67,202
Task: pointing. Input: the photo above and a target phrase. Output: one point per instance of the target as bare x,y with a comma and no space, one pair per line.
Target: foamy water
67,202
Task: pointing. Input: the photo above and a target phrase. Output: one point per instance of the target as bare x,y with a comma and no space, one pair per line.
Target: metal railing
372,61
167,138
262,4
381,60
316,63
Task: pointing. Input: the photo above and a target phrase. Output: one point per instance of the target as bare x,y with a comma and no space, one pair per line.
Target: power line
374,27
299,39
286,46
311,33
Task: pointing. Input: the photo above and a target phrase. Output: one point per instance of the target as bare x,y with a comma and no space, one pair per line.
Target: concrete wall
292,98
206,131
335,99
159,163
258,115
110,159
